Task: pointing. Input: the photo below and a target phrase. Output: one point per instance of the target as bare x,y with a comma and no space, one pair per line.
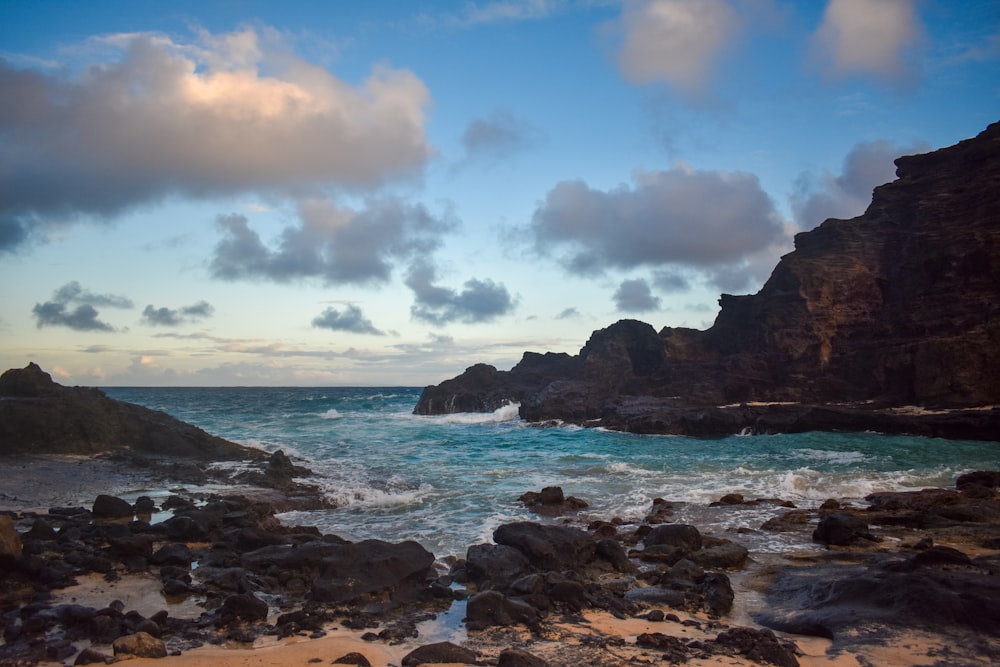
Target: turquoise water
449,481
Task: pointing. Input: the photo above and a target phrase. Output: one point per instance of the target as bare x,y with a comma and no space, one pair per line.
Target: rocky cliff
39,416
899,306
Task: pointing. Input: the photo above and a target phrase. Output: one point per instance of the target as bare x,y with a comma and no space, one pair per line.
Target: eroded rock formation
899,306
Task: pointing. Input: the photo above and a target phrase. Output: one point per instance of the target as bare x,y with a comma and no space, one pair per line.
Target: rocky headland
865,319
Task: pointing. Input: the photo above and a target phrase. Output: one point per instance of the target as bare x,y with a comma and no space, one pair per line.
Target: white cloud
221,115
675,41
869,37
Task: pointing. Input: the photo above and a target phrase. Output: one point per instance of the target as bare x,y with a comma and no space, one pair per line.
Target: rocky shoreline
925,562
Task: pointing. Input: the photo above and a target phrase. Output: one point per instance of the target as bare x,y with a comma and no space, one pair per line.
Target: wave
505,413
330,414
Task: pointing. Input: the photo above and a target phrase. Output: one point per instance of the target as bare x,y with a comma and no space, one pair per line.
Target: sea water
448,481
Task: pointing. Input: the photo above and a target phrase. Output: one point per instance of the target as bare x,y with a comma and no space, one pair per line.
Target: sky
383,193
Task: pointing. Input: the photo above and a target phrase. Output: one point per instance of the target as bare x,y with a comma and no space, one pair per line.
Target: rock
244,607
139,645
441,652
372,566
174,553
548,547
839,529
90,656
551,501
723,556
491,608
495,565
760,646
352,659
897,307
512,657
683,536
674,650
110,507
10,539
39,416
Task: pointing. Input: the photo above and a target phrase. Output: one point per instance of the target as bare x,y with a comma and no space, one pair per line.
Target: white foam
505,413
330,414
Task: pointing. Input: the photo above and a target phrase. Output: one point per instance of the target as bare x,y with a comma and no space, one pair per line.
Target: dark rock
372,566
722,556
495,564
40,530
39,416
512,657
841,529
110,507
174,553
682,536
491,608
548,547
717,593
899,306
243,607
352,659
90,656
761,646
551,501
440,652
674,650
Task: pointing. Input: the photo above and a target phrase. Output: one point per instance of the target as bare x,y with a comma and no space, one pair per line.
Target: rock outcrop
39,416
899,306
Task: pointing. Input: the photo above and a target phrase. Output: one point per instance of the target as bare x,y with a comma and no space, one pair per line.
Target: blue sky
384,193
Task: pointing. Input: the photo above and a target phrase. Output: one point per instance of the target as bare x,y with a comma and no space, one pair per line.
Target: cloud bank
220,115
708,220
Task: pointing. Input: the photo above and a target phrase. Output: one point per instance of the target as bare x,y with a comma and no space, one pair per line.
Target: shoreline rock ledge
867,317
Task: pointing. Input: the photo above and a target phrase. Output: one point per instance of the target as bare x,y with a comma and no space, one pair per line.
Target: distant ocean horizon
448,481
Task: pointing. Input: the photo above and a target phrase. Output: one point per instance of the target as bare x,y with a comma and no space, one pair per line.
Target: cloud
479,301
216,116
670,281
497,136
844,196
335,244
677,42
74,307
869,38
568,314
350,319
171,317
707,220
634,296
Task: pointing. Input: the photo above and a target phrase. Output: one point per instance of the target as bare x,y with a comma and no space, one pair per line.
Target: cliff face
899,306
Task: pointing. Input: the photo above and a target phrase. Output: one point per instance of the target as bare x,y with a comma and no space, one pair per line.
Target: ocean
448,481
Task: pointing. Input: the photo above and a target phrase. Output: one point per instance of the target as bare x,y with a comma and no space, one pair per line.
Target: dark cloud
680,217
221,115
498,136
634,296
670,281
74,307
867,165
350,319
337,245
479,301
568,313
171,317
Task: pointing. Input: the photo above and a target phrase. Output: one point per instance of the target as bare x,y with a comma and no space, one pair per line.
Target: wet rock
725,555
90,656
789,521
441,652
40,530
551,501
717,592
494,608
139,645
674,650
177,554
352,659
370,566
840,529
110,507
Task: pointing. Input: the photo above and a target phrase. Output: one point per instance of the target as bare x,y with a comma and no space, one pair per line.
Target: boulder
139,645
512,657
491,608
548,547
441,652
110,507
840,529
